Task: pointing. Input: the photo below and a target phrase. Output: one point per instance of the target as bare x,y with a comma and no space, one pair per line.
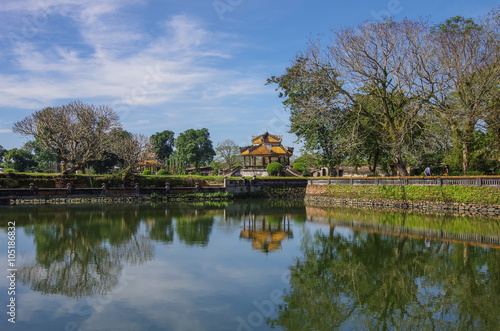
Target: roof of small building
266,145
266,138
149,160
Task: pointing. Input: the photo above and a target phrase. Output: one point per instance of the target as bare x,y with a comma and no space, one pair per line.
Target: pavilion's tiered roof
266,145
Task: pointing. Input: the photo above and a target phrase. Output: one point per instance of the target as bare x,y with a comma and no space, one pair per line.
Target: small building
266,148
149,163
204,171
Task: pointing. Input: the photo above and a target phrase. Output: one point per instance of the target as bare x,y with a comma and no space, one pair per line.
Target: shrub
162,172
300,167
146,172
274,168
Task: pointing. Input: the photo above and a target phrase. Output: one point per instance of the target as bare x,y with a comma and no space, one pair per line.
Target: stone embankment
324,195
466,209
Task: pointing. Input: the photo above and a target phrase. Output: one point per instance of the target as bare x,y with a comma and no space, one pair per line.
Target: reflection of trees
82,253
373,281
195,231
162,230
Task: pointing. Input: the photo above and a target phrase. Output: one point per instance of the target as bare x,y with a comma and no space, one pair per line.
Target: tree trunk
465,156
375,161
400,165
466,143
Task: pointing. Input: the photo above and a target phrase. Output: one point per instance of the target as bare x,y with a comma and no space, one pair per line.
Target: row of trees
79,135
400,94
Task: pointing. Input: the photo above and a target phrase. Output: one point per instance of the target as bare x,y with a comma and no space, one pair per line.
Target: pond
246,265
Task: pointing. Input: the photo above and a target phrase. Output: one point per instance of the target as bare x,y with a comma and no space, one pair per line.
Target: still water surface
248,266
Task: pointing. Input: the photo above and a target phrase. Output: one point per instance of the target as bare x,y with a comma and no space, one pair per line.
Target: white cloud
115,60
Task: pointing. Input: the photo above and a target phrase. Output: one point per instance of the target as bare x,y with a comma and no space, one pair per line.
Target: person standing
446,170
427,171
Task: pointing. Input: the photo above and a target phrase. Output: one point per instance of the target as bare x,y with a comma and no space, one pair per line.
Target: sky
175,64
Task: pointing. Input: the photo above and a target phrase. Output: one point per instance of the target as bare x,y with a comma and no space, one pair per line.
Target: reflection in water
266,232
81,253
369,271
370,281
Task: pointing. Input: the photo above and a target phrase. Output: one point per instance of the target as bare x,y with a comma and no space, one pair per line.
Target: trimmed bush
146,172
300,167
274,168
162,172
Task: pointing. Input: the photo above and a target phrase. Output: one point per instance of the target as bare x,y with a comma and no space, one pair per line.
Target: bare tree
468,54
228,153
131,148
77,133
386,76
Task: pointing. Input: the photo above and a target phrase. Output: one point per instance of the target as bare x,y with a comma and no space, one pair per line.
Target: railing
490,181
126,191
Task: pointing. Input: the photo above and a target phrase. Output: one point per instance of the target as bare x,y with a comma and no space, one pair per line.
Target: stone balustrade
478,181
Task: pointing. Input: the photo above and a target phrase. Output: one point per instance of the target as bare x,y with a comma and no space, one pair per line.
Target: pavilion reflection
266,231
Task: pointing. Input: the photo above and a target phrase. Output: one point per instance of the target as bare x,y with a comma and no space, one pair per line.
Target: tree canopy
195,147
386,91
228,153
162,144
19,160
77,132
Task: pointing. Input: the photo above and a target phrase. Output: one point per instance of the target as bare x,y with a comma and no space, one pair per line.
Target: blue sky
171,64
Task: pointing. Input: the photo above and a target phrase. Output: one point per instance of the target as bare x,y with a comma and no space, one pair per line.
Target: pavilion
266,148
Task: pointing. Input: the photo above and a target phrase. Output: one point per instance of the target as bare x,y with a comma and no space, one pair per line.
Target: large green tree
317,118
19,159
372,83
195,147
162,144
44,157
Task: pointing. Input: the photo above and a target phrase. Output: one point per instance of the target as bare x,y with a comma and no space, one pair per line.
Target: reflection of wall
445,228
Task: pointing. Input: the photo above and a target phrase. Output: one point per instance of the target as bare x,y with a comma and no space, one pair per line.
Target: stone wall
318,194
284,188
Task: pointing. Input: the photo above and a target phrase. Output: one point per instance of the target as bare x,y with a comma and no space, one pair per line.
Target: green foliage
106,163
216,167
346,111
195,147
176,164
300,167
456,24
146,172
44,157
274,168
19,159
320,124
162,172
218,194
163,144
449,194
